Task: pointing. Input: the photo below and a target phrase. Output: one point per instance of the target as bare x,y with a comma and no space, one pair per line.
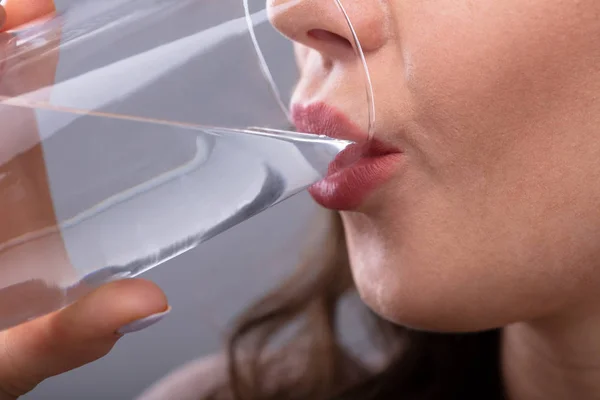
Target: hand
76,335
21,12
88,329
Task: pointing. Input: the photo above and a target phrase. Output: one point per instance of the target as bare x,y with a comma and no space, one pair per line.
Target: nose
321,24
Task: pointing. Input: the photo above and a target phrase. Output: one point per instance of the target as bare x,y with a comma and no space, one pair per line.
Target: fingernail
143,323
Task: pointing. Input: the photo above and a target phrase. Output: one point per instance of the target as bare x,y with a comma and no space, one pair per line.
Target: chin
421,297
420,314
430,272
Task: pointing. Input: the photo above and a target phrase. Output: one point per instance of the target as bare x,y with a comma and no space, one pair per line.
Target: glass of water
133,130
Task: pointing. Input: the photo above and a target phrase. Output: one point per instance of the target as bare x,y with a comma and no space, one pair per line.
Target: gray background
206,286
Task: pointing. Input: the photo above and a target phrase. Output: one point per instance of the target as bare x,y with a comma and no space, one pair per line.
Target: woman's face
491,213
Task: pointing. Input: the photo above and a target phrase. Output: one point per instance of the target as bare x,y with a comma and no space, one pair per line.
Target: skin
491,218
86,330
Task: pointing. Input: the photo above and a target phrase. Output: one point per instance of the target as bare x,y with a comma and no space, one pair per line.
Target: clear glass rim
264,66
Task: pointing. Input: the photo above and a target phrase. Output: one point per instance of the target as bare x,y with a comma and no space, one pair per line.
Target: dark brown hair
287,346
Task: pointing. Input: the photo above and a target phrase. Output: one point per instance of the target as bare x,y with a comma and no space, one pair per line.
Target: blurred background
206,287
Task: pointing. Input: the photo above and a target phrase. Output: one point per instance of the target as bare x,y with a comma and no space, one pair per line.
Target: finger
19,12
77,335
2,16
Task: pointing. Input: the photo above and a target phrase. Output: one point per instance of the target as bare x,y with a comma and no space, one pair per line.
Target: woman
476,242
88,329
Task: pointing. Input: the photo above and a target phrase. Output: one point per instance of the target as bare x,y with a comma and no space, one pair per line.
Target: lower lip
353,175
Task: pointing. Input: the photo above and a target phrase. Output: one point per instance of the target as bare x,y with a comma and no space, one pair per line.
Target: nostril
329,37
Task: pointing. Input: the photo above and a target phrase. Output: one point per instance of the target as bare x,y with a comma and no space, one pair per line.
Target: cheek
496,220
479,74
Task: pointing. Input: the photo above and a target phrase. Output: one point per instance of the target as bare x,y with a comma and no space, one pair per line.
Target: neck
553,359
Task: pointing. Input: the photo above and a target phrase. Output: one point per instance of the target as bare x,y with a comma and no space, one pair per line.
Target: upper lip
321,119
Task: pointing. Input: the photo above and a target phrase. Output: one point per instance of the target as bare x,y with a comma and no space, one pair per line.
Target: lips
321,119
358,170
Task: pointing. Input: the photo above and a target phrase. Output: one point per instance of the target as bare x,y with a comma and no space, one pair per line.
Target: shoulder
192,381
200,378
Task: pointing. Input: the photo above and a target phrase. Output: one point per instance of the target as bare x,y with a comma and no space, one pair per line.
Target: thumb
19,12
74,336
